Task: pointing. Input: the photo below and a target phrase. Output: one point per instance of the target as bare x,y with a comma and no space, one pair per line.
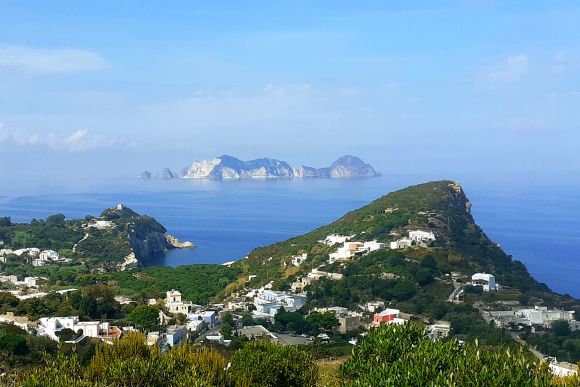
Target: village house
298,260
540,315
439,330
373,306
253,332
415,238
486,281
268,302
563,369
387,316
352,249
49,255
175,304
175,335
334,239
195,326
50,326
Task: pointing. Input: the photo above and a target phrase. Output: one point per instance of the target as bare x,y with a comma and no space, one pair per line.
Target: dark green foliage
145,317
290,321
261,363
322,322
558,342
405,356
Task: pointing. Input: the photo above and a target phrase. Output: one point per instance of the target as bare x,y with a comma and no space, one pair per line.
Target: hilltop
417,275
119,238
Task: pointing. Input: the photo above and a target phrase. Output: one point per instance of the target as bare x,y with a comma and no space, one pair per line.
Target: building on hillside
50,326
373,246
258,332
195,325
210,317
298,260
334,239
402,243
49,255
540,315
175,335
387,316
563,369
421,236
486,281
268,302
439,330
373,306
175,304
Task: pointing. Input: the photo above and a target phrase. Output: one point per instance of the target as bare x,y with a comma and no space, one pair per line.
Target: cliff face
120,233
228,167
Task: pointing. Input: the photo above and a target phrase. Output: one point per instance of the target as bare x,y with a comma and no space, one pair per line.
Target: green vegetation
404,356
145,318
130,362
18,348
53,233
560,342
197,283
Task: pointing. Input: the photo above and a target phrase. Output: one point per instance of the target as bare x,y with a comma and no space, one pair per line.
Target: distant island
231,168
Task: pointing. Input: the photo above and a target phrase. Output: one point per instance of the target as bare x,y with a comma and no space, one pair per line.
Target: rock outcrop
145,175
230,168
166,173
351,166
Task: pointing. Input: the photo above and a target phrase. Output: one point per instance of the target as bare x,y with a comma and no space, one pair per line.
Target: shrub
261,363
403,355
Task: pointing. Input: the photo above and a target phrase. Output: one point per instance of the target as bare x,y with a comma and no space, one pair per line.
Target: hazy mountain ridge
231,168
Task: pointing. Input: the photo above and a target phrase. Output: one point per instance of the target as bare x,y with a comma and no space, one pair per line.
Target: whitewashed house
486,281
298,260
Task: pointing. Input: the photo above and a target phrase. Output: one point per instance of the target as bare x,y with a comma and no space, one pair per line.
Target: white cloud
79,140
46,61
511,70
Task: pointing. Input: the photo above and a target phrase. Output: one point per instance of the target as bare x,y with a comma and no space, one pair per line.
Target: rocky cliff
120,233
228,167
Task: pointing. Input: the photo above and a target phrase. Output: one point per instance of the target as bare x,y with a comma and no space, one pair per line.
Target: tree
322,322
247,319
55,220
145,317
5,221
561,328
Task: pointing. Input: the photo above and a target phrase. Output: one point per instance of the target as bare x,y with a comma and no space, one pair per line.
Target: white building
373,246
486,281
174,304
269,302
195,325
50,326
563,369
387,316
297,260
49,255
439,330
402,243
175,335
540,315
421,236
334,239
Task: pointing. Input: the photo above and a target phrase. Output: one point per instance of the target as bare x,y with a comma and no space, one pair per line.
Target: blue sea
538,225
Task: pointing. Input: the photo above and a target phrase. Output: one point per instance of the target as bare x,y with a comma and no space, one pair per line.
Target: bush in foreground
404,356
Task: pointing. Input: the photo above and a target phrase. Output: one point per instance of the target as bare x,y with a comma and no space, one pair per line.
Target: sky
474,89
